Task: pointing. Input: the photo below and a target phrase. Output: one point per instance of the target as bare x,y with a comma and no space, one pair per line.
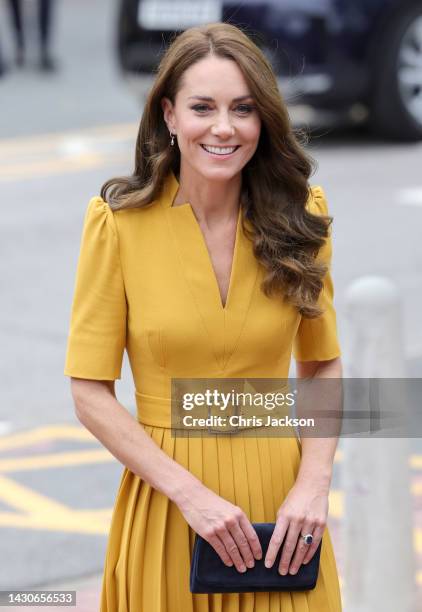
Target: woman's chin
219,174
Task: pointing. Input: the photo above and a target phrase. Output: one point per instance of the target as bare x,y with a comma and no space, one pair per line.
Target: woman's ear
167,107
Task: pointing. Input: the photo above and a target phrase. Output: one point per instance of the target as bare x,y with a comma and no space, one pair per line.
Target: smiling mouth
220,150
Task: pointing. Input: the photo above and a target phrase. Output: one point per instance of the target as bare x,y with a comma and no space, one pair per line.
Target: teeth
219,150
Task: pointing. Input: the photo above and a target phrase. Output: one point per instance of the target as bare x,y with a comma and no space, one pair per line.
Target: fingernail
283,572
243,568
258,556
292,571
268,563
251,564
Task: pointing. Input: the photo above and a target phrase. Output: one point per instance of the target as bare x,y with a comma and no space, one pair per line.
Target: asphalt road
61,136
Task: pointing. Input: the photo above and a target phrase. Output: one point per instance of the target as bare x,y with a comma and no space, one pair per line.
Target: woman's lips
220,155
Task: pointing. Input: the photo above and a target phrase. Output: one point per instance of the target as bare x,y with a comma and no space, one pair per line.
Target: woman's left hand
304,510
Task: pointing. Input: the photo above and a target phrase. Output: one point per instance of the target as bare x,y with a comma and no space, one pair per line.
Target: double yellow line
63,152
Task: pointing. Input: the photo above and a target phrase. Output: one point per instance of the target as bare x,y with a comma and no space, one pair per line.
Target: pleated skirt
150,544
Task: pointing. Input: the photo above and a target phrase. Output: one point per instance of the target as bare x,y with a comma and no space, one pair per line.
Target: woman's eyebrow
208,99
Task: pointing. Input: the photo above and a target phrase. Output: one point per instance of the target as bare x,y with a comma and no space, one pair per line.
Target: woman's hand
304,510
224,525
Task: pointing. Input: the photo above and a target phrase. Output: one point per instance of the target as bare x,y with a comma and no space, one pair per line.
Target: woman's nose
223,127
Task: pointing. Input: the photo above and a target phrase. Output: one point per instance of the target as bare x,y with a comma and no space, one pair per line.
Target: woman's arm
98,409
224,525
305,508
316,465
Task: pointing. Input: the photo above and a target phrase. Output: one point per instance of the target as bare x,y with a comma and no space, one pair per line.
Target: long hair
286,237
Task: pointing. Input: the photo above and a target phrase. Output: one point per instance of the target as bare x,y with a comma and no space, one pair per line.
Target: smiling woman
210,261
219,119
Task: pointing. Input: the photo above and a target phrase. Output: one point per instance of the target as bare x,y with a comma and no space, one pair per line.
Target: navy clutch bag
208,574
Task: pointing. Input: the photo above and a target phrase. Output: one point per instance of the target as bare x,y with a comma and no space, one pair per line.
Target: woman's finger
277,538
242,544
220,549
301,548
317,534
253,539
232,550
289,546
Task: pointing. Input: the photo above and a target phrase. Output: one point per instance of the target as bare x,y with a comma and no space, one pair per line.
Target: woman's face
227,118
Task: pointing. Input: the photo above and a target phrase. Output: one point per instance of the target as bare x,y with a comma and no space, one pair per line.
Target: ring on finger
307,538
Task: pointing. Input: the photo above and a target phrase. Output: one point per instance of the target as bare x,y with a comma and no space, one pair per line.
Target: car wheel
396,105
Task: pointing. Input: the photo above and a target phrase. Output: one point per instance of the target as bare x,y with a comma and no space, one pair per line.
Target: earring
172,139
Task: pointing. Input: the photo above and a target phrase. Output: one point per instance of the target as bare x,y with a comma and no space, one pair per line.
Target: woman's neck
212,201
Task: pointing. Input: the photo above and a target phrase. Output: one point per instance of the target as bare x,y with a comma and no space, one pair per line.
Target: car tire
391,112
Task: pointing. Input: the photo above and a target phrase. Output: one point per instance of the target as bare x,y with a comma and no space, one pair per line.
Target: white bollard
377,531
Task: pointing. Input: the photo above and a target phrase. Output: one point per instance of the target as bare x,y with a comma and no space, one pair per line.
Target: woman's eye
244,108
200,107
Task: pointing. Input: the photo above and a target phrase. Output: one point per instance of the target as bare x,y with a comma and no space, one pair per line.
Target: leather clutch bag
208,573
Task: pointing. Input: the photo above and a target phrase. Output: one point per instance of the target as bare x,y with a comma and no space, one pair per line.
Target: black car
331,54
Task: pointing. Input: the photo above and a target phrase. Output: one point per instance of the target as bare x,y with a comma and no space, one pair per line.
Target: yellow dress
145,282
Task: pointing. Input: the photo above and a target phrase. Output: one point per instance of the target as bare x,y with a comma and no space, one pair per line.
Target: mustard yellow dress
145,282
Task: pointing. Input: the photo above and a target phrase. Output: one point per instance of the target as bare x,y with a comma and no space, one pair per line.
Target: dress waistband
156,411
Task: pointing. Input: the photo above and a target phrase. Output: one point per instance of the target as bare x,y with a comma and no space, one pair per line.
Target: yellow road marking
47,432
415,461
76,432
338,456
36,511
45,513
64,152
25,499
53,165
49,141
55,522
336,511
43,169
418,540
335,502
417,488
41,512
54,460
32,437
86,161
336,499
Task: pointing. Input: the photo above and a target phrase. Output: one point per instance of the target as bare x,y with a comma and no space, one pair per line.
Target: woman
210,261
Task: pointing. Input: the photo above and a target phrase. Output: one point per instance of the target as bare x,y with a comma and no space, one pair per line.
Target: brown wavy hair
286,237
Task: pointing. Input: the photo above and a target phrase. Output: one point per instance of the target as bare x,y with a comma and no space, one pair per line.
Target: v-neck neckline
186,207
222,324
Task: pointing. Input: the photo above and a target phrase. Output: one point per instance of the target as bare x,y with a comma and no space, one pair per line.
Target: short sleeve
316,339
97,333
